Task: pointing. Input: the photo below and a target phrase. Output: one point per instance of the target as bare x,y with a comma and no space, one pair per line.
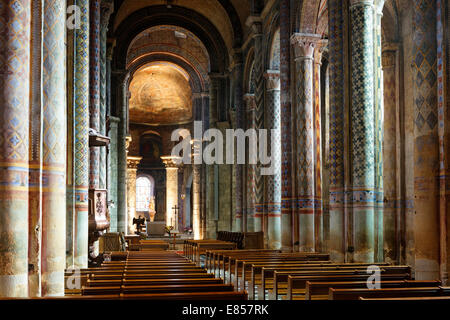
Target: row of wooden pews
273,275
155,275
193,249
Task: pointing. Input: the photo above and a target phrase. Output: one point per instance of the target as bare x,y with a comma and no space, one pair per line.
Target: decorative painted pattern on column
105,12
336,144
35,144
305,207
239,168
318,218
426,140
390,150
286,127
378,127
15,19
94,88
255,23
442,12
251,170
363,195
54,148
132,166
196,187
273,181
81,136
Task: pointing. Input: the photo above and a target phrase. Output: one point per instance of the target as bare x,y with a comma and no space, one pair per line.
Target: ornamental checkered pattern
81,97
424,61
336,78
14,80
53,83
305,129
362,109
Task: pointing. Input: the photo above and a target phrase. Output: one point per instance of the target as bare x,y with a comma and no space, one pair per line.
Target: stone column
112,171
105,12
122,104
81,138
273,181
426,141
196,187
251,168
54,148
14,155
255,23
171,188
391,151
363,134
378,128
286,127
212,123
94,90
304,49
337,127
318,207
238,168
132,166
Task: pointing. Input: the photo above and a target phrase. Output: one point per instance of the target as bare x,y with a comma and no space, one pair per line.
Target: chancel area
224,149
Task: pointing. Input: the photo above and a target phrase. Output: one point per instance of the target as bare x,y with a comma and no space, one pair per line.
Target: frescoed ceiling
160,95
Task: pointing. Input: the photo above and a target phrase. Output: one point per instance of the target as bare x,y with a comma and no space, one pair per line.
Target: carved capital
255,24
172,161
354,3
272,79
106,9
249,99
320,48
133,162
304,44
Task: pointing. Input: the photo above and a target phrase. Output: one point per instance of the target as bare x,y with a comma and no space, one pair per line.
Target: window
143,194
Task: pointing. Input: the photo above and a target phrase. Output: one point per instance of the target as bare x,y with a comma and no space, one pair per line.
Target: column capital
106,9
200,95
390,46
254,22
172,161
304,44
249,100
133,162
272,79
355,3
320,48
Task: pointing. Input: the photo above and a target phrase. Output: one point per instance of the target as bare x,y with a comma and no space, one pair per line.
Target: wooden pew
355,294
298,283
320,290
233,295
280,278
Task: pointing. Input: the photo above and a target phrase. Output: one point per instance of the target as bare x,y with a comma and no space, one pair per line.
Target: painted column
14,143
256,27
196,187
304,49
378,127
251,168
94,95
132,166
286,128
105,12
171,188
426,141
391,150
81,137
112,171
54,148
35,160
212,123
318,205
336,147
238,168
273,181
122,103
363,134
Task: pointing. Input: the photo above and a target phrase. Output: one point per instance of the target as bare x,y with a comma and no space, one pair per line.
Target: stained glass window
143,193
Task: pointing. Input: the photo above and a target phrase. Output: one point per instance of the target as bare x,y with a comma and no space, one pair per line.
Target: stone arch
196,23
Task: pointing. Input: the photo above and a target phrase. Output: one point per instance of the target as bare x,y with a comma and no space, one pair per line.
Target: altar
156,228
